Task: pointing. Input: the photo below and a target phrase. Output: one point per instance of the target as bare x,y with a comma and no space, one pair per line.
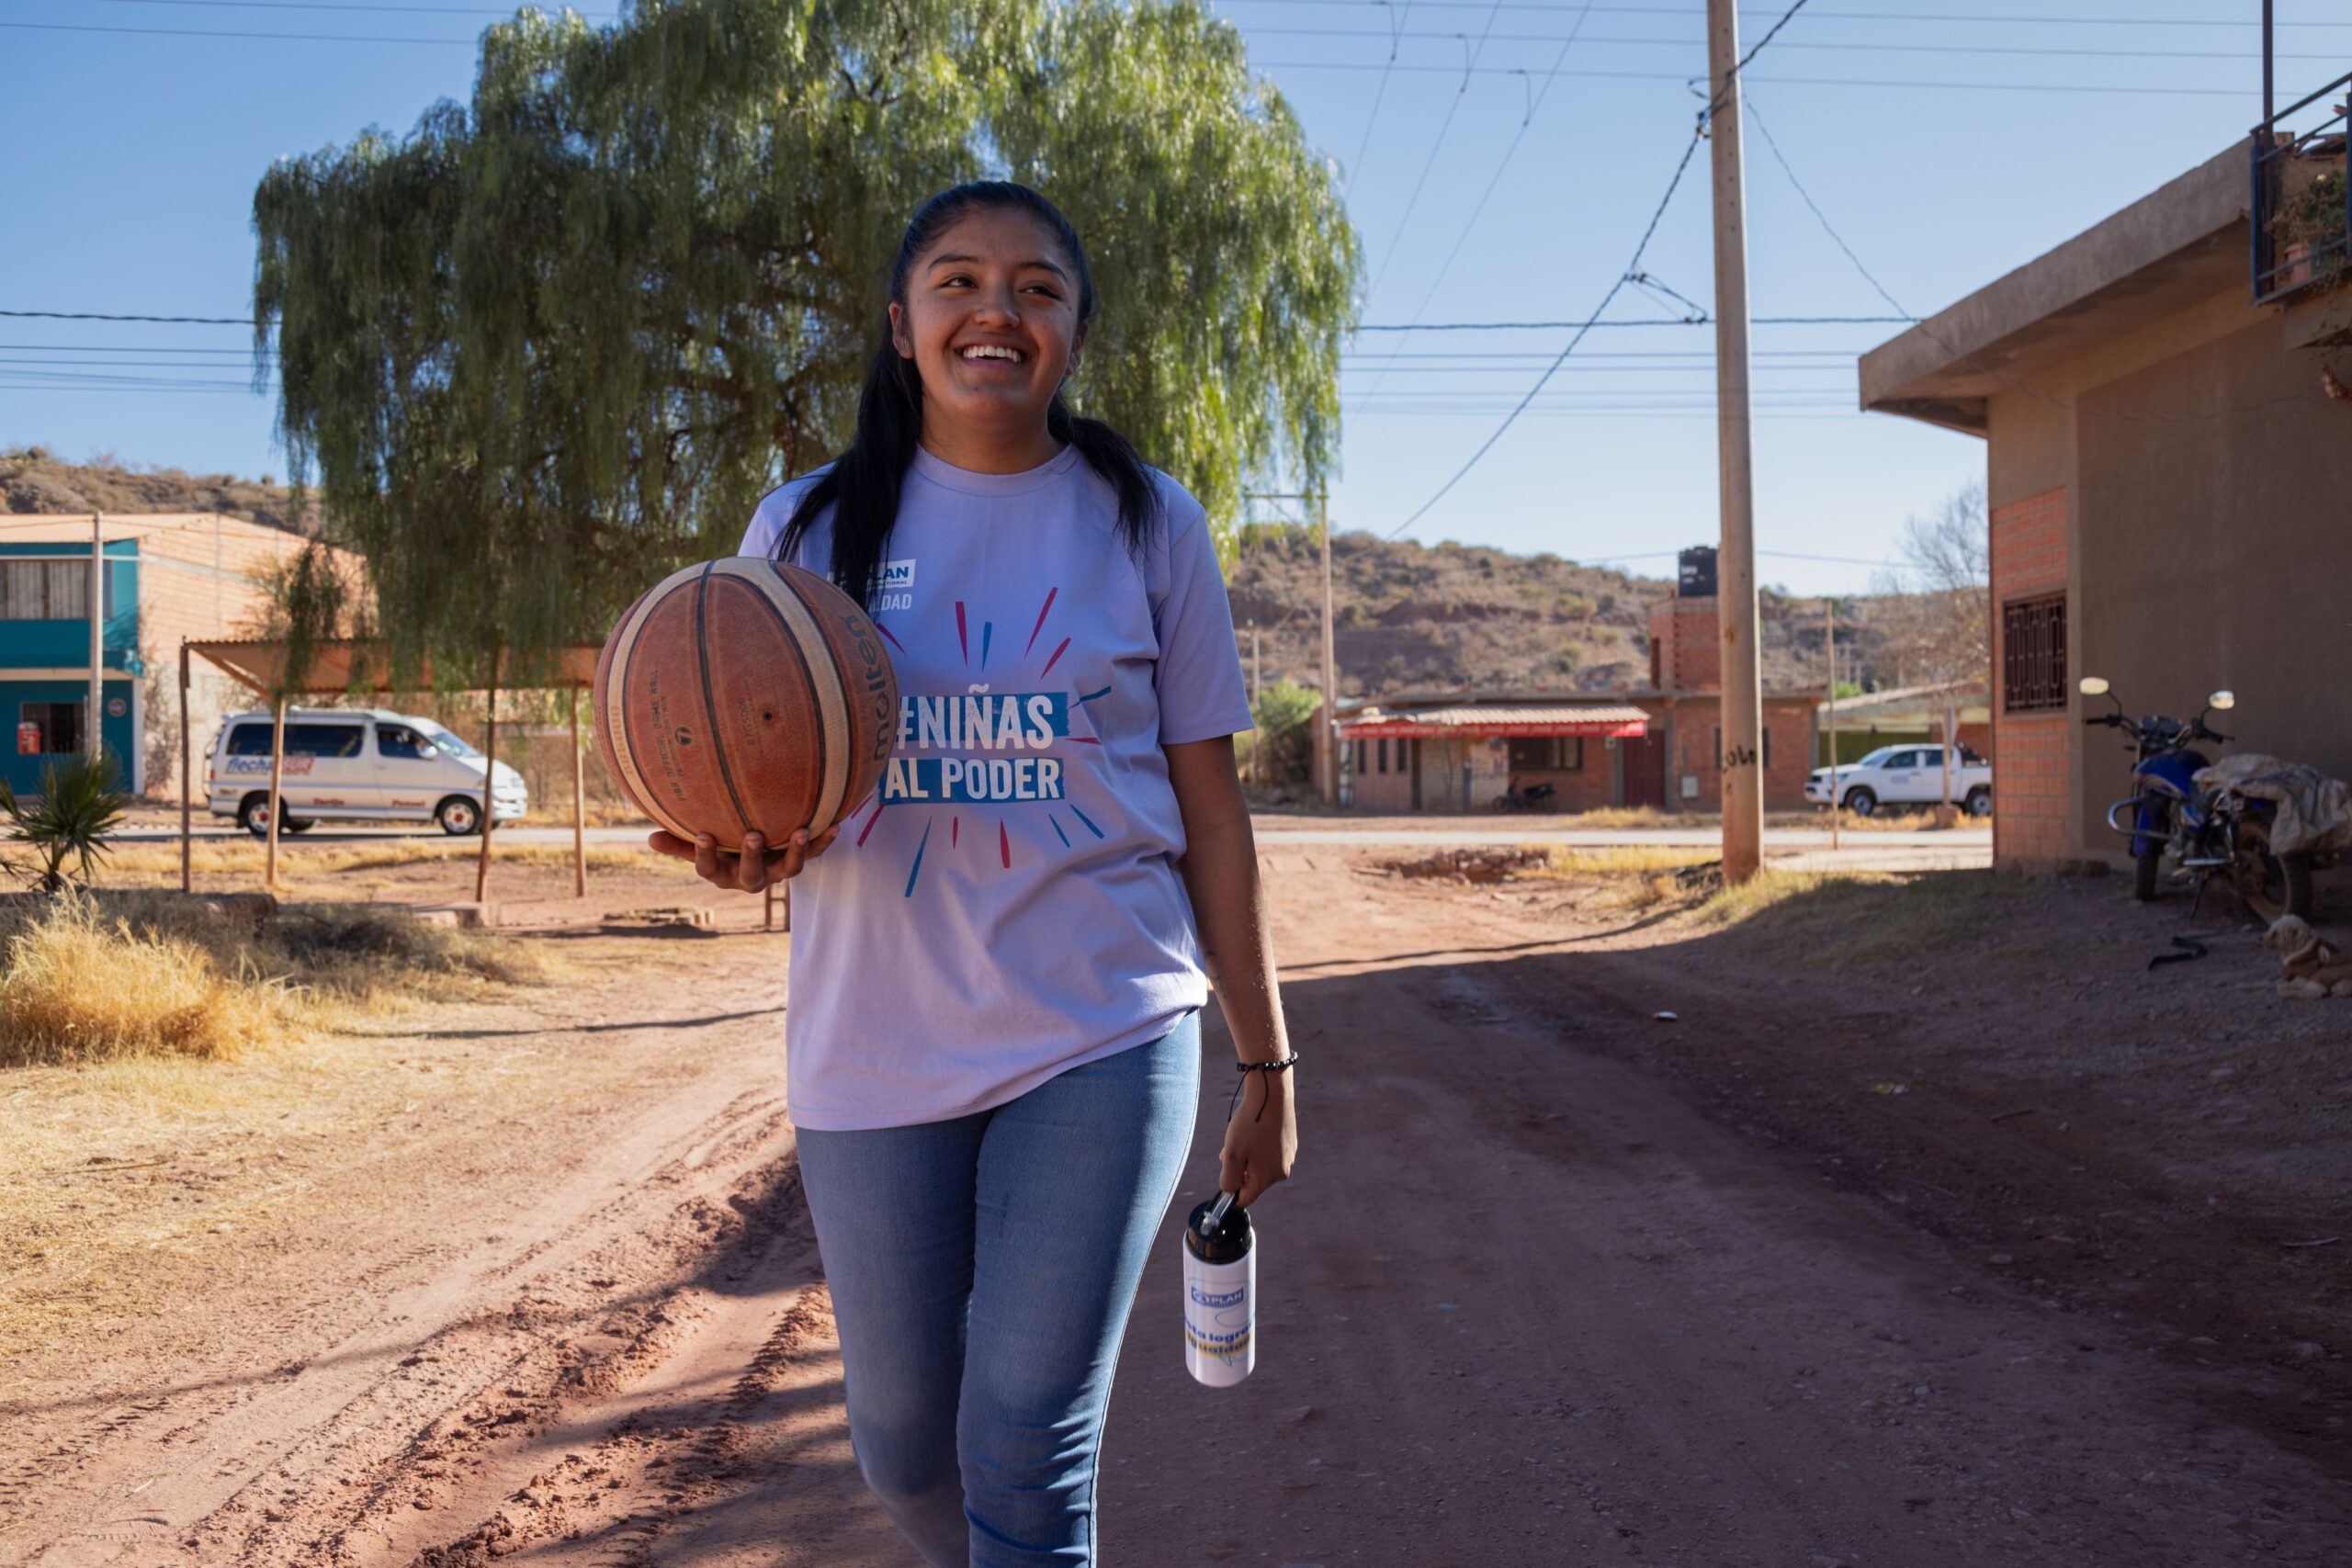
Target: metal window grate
2033,654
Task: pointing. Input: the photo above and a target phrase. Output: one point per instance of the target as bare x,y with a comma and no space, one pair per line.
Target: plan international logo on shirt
894,585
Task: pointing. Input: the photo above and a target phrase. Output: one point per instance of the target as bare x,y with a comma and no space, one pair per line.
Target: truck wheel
458,816
1861,802
1980,802
2271,886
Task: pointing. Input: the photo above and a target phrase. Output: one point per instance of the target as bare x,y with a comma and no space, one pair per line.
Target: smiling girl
993,1057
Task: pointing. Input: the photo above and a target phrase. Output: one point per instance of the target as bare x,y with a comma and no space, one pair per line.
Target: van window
250,740
323,739
398,740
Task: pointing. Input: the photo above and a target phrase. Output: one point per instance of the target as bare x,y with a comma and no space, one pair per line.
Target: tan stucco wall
2216,528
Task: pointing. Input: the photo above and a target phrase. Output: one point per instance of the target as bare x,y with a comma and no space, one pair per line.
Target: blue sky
1948,140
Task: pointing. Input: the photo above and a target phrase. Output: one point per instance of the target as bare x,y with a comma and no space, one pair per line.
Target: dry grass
78,983
99,977
1869,921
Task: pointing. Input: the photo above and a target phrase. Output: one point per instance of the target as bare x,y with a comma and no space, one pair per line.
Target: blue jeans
983,1270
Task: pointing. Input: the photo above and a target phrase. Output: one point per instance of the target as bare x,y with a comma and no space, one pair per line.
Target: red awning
1614,719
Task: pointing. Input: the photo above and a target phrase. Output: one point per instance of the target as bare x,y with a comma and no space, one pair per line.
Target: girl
993,1061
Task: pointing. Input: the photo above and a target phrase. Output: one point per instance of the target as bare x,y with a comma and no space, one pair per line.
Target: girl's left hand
1261,1139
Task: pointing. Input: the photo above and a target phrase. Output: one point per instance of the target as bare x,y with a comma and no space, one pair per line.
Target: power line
1436,145
2134,22
1927,330
1379,95
2071,87
92,316
490,11
1632,266
1535,104
221,33
1835,46
1637,321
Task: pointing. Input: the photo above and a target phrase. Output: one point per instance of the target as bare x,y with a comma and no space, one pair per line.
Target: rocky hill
1409,615
1414,616
34,480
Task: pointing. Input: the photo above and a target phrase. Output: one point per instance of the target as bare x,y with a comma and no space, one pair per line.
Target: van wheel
301,823
252,814
1980,802
1861,802
458,817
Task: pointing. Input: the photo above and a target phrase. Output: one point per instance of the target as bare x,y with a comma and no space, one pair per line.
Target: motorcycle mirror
2094,685
2222,701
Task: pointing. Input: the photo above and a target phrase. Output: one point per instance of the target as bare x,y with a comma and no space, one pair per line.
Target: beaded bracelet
1245,1068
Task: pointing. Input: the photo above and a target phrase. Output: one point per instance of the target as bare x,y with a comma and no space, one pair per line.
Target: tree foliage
558,341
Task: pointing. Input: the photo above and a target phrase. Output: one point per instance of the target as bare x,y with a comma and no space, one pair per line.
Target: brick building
2167,468
166,577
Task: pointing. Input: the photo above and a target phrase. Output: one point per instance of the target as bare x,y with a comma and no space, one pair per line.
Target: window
398,740
249,740
1384,753
1547,753
58,726
323,739
44,589
2033,655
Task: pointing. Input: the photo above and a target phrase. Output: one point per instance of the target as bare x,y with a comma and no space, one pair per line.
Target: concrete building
166,577
2169,472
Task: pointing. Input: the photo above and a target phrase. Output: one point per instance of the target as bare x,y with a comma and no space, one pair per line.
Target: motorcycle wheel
2270,886
2144,876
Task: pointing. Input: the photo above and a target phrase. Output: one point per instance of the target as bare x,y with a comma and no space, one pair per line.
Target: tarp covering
2314,812
1485,723
351,665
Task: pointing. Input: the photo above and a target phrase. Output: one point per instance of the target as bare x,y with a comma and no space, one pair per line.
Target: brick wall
1685,643
2032,752
1695,722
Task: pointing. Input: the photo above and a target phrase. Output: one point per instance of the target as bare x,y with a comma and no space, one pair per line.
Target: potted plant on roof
2309,227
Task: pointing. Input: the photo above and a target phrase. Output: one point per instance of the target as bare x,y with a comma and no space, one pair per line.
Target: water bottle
1220,1294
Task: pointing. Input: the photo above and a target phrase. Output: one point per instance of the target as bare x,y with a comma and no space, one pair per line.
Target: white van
355,765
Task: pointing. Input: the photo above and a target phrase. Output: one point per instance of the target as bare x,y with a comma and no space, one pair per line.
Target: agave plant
78,806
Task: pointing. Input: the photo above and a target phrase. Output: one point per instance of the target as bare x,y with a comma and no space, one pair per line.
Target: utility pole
1829,637
1327,759
1326,733
1743,696
94,742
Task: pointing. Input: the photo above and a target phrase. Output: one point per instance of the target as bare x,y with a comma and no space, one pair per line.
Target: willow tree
556,342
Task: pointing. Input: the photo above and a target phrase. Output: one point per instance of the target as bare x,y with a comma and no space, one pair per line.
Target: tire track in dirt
239,1470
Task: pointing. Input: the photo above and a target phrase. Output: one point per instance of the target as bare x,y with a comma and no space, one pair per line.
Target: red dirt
1557,1283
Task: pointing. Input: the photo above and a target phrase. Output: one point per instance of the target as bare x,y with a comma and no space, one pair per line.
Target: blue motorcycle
2176,825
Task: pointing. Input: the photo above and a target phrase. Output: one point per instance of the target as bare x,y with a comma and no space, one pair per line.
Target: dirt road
1558,1283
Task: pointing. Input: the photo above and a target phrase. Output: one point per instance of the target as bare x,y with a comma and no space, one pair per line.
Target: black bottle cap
1229,1243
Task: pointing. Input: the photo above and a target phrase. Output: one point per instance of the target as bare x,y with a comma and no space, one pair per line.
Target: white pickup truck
1905,775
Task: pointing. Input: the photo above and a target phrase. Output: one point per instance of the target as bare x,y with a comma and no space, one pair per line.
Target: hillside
34,480
1409,615
1413,616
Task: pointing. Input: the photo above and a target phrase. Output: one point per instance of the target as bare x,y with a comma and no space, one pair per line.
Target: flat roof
2179,243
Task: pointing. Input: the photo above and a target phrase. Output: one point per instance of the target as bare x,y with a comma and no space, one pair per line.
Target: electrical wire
1535,104
1631,267
1926,329
2078,88
1833,46
1379,95
92,316
2135,22
1436,146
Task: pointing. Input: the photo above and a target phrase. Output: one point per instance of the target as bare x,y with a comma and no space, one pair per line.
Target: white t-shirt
1007,906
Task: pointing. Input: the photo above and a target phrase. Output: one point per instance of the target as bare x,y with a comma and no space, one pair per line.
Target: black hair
863,483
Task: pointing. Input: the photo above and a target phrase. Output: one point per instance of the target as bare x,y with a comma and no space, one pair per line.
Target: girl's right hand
754,869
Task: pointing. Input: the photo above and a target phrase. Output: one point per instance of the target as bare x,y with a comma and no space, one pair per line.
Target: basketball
745,695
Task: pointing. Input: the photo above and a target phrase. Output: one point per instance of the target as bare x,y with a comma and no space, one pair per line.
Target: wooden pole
1327,732
277,807
488,789
187,881
1830,634
578,805
1743,696
94,743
